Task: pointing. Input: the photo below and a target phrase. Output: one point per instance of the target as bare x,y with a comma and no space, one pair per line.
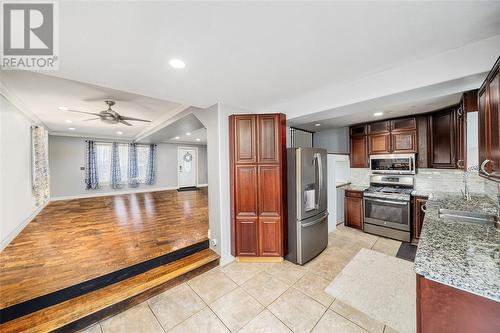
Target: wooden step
84,310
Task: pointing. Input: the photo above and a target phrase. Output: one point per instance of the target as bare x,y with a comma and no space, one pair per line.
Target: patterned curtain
133,172
116,176
150,168
91,178
40,164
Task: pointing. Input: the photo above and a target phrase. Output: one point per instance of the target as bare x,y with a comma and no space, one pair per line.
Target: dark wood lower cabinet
247,237
353,209
418,216
441,308
269,237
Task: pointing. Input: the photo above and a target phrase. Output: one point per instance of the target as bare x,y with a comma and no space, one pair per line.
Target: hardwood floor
74,241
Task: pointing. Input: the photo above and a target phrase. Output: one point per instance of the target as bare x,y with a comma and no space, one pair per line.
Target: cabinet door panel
418,216
378,127
354,212
269,237
359,152
357,130
269,191
494,97
246,191
268,138
379,144
247,237
403,124
404,142
461,138
443,147
245,139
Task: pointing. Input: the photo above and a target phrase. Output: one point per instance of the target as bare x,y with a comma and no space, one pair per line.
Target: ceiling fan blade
134,119
94,114
92,119
125,123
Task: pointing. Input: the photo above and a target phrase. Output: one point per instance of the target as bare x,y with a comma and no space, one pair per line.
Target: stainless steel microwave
398,164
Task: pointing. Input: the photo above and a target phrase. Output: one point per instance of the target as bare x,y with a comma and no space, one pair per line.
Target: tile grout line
211,310
364,329
154,315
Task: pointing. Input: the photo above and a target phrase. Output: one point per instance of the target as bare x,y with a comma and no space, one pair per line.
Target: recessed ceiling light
177,63
198,139
63,108
119,132
188,134
71,128
68,121
317,125
378,114
177,138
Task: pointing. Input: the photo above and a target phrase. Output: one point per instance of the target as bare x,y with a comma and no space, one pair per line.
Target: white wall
335,141
17,204
66,157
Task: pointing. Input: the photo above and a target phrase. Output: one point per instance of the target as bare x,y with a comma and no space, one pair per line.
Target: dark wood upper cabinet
403,124
379,127
353,209
258,184
404,142
359,151
245,139
489,125
268,126
379,143
357,130
442,139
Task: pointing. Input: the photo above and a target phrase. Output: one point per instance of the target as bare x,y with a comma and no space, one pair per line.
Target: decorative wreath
188,157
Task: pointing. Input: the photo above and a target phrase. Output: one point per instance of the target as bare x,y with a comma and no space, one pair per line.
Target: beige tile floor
254,297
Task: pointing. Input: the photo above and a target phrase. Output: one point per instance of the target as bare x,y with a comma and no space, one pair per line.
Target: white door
187,167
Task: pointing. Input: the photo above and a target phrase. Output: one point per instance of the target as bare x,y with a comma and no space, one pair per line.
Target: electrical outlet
214,242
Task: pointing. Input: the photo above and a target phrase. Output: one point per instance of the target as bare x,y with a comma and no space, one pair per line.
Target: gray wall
17,204
66,156
334,140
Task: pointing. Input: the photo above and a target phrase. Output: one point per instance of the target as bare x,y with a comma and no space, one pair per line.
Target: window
123,152
103,157
142,162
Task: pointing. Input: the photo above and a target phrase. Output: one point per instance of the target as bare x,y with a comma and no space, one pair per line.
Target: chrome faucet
465,192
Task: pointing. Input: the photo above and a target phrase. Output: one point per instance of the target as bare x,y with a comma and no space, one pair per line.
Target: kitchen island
458,269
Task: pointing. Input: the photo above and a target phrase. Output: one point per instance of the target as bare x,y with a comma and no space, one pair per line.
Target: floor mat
407,251
381,286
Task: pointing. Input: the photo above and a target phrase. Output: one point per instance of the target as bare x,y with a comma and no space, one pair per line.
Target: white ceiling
255,55
184,123
334,62
42,95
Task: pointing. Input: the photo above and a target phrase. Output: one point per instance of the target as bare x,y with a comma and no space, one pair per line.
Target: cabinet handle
483,167
423,208
460,164
460,112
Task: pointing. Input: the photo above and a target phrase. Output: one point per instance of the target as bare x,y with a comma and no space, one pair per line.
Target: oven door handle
388,201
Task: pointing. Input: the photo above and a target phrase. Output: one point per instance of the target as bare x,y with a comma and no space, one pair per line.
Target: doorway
187,167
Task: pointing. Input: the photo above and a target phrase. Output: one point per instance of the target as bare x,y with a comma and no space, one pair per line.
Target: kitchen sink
467,217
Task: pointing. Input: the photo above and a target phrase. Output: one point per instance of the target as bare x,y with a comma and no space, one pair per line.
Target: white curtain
40,164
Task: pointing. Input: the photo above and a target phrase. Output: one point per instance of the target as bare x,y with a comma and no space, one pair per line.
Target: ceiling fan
110,116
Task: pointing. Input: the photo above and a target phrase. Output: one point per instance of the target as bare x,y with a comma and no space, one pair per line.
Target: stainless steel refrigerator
307,203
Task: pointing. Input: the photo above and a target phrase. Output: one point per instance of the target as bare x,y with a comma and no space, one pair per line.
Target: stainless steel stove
387,206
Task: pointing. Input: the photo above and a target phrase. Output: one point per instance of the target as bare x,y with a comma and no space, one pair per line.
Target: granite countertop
351,187
341,184
420,193
462,255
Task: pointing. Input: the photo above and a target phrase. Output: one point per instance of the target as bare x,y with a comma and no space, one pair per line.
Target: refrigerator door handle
319,185
316,221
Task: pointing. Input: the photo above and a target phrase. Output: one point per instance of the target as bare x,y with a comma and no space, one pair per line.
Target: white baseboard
115,192
202,185
20,227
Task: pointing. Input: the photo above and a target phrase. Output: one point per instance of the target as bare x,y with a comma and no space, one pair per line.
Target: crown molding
14,100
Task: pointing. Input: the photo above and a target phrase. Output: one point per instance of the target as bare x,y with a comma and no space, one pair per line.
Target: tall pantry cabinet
258,185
